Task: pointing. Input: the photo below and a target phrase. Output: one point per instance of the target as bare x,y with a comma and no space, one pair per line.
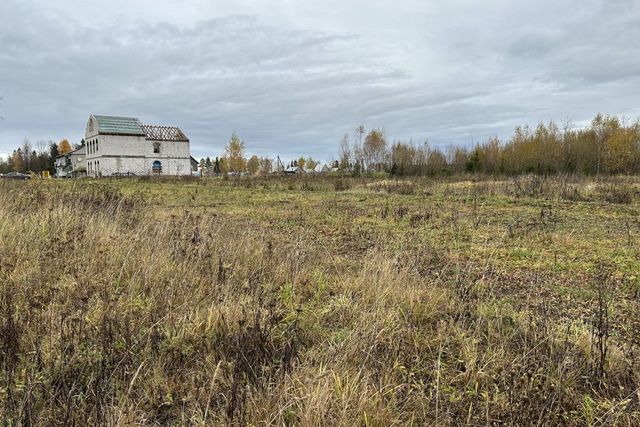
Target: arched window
156,148
156,168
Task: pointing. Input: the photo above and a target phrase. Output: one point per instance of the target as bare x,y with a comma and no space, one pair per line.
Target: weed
341,184
236,301
618,193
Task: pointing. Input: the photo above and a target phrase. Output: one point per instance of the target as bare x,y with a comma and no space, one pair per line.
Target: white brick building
124,146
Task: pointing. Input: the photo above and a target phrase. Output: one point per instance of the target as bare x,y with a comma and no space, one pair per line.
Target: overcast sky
292,76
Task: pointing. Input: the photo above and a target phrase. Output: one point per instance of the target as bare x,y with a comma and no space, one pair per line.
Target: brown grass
117,311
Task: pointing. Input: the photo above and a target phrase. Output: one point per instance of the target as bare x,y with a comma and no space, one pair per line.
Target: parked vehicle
16,175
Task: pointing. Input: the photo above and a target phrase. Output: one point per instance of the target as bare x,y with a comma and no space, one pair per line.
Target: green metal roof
119,125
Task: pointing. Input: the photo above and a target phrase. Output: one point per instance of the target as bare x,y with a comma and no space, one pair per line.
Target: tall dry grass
114,315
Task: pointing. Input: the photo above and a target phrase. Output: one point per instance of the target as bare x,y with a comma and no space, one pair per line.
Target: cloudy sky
292,76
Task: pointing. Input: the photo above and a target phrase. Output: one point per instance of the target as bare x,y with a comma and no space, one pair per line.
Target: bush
341,184
571,193
394,187
618,194
528,186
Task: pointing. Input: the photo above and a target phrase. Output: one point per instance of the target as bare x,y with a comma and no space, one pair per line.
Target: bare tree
266,165
345,153
357,147
27,153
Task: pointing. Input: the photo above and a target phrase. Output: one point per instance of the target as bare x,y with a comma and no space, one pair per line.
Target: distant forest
38,158
609,145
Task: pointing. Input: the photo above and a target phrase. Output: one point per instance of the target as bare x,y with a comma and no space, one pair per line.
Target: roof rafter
164,133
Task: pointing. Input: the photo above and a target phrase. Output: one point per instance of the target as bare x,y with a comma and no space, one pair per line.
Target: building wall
134,154
107,166
123,145
76,160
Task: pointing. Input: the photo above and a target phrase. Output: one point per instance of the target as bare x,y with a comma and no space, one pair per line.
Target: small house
294,170
71,164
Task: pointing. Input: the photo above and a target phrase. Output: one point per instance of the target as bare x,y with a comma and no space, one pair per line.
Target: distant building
194,165
119,146
321,169
294,170
72,164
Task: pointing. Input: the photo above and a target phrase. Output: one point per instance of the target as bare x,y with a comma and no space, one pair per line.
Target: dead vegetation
367,304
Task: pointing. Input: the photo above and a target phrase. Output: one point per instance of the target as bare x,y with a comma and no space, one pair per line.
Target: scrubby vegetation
320,301
608,145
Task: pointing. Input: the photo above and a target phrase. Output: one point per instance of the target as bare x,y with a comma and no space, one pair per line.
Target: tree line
36,158
608,145
234,161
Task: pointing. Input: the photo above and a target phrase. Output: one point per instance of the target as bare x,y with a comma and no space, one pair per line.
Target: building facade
72,164
119,146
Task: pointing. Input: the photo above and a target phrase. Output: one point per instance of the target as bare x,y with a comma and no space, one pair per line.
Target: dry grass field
320,301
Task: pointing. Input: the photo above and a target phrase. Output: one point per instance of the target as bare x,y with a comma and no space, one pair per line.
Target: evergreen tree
53,154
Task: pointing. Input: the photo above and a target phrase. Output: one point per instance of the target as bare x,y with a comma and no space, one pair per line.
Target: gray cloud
292,78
